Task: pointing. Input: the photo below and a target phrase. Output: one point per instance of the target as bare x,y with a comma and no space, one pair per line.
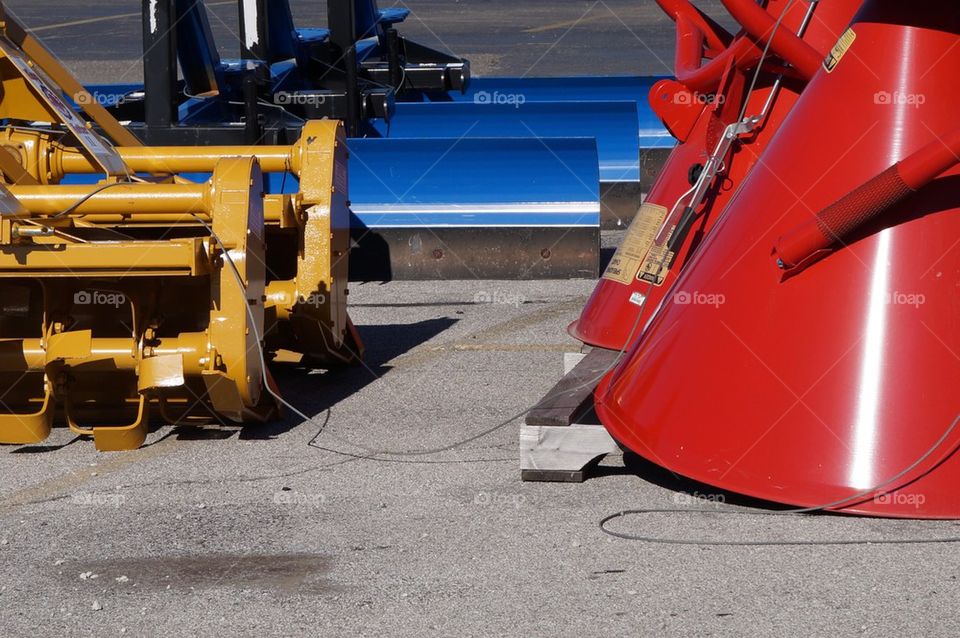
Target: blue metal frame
489,156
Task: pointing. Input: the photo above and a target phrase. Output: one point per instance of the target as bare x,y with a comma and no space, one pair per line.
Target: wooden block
562,453
571,360
571,397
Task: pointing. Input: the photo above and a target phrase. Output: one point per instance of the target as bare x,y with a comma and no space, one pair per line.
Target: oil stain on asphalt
281,573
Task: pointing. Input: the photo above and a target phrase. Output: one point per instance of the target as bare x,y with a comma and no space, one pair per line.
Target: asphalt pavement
340,525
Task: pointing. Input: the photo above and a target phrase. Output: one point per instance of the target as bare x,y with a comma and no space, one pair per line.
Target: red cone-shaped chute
837,381
697,108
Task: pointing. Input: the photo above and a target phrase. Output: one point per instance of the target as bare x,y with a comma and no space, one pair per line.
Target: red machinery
809,351
712,111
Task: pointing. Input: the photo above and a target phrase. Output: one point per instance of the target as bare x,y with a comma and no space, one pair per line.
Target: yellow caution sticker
839,50
656,265
628,259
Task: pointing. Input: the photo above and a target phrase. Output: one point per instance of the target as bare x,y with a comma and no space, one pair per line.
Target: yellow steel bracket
76,346
315,301
35,427
113,438
234,382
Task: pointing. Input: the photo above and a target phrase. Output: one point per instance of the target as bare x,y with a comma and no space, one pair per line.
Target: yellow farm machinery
147,293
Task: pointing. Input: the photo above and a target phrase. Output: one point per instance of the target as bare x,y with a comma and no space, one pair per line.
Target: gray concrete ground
282,530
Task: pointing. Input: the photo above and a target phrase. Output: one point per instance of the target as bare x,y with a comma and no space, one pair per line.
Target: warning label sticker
839,50
656,265
106,156
629,257
638,299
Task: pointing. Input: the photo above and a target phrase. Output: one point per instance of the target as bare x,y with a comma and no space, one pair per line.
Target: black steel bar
159,63
342,24
393,58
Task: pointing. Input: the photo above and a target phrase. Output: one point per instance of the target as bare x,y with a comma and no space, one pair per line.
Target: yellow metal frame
186,264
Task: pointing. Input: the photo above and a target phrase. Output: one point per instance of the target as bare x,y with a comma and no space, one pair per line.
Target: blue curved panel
613,88
586,88
474,182
614,125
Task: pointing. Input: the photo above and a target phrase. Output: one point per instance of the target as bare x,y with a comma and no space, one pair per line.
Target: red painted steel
786,44
810,240
843,378
716,36
610,315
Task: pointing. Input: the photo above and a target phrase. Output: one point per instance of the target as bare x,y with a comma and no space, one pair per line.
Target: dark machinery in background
352,71
452,176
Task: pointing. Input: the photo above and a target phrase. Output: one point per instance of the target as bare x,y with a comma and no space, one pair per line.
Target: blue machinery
450,176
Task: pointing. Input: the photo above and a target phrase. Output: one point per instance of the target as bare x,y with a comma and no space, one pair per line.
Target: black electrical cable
86,198
826,507
666,540
373,454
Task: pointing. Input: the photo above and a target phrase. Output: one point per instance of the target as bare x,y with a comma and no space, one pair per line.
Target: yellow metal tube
146,203
133,199
273,213
28,355
183,159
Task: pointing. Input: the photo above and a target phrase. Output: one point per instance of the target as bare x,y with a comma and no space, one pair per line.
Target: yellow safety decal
656,265
627,260
839,50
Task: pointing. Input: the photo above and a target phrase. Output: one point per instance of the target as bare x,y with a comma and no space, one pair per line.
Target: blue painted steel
110,94
475,182
436,162
587,88
308,35
369,18
612,109
196,50
393,15
573,120
462,183
613,124
565,89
